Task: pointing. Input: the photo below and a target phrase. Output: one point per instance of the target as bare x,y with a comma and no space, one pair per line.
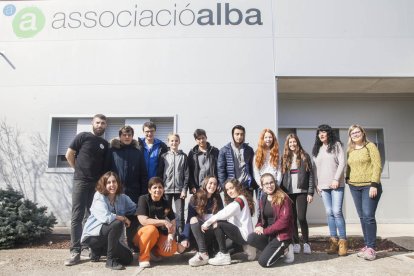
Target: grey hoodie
173,169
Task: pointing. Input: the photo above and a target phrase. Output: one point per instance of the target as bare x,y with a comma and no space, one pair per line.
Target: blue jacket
129,163
103,213
152,155
225,165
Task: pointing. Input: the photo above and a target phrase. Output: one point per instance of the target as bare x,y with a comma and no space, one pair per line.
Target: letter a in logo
28,22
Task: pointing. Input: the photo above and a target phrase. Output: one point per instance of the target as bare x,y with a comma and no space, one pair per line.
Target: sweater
329,166
237,213
364,166
266,168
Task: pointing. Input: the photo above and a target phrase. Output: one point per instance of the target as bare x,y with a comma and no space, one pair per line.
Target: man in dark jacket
202,160
236,160
127,160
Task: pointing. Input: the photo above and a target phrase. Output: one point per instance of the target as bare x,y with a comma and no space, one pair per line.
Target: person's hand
204,228
127,222
334,185
167,246
185,243
169,226
258,230
319,191
373,191
193,190
310,198
183,195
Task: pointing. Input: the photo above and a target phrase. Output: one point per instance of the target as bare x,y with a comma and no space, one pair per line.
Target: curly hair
278,195
200,199
332,140
241,191
301,155
261,150
101,184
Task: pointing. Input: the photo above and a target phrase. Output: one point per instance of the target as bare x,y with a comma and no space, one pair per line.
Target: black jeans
82,196
131,231
300,207
226,229
179,209
107,243
272,249
205,240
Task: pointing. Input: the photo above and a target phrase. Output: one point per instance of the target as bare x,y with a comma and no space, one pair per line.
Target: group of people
132,184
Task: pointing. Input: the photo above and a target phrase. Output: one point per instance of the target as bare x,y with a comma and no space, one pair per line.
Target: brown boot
333,246
343,247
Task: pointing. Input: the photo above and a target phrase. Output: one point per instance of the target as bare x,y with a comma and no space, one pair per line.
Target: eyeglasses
268,184
355,133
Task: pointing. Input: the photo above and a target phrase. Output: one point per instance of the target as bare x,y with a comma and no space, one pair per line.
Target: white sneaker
306,248
289,256
144,264
250,252
296,248
220,259
199,259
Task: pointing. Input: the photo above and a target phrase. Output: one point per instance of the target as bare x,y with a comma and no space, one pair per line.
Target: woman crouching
274,229
156,232
105,225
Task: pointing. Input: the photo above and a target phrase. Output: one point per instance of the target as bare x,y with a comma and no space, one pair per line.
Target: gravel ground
30,261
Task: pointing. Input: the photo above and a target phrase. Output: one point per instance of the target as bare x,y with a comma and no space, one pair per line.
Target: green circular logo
28,22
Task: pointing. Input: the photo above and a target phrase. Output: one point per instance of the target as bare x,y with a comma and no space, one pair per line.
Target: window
64,130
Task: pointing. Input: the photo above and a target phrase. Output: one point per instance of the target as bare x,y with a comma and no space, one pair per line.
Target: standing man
202,160
86,154
236,161
152,148
127,160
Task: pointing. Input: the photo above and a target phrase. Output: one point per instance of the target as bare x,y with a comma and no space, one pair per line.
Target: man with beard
86,154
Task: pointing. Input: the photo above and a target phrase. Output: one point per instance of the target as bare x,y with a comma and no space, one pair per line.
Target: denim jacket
103,213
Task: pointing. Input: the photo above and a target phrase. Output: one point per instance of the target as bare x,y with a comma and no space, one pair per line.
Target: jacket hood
196,149
116,144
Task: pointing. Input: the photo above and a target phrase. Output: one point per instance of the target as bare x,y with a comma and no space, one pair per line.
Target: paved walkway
50,262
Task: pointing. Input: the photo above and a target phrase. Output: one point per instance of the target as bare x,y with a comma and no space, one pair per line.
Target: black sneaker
73,260
113,264
95,256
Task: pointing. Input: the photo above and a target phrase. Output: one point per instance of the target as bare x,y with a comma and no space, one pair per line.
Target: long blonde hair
351,144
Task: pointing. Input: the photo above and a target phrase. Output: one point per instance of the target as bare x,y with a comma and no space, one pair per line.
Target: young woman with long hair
204,204
266,159
105,224
274,229
329,160
233,221
363,174
298,183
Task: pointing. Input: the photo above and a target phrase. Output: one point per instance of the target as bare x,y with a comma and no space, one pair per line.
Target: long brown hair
200,198
241,191
101,184
261,150
301,155
278,195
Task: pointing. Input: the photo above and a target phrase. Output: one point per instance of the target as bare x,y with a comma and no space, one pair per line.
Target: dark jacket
282,228
306,180
194,167
152,155
226,169
128,162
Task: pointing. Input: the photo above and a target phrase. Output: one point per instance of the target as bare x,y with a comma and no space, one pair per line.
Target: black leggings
205,240
225,228
107,243
300,206
272,249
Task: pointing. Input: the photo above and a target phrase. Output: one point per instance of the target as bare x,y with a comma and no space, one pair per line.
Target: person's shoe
144,264
289,255
250,252
113,264
296,248
85,253
73,260
333,246
220,259
361,252
343,247
370,254
307,248
199,259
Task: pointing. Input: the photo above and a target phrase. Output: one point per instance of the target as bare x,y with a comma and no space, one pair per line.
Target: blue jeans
333,200
366,208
